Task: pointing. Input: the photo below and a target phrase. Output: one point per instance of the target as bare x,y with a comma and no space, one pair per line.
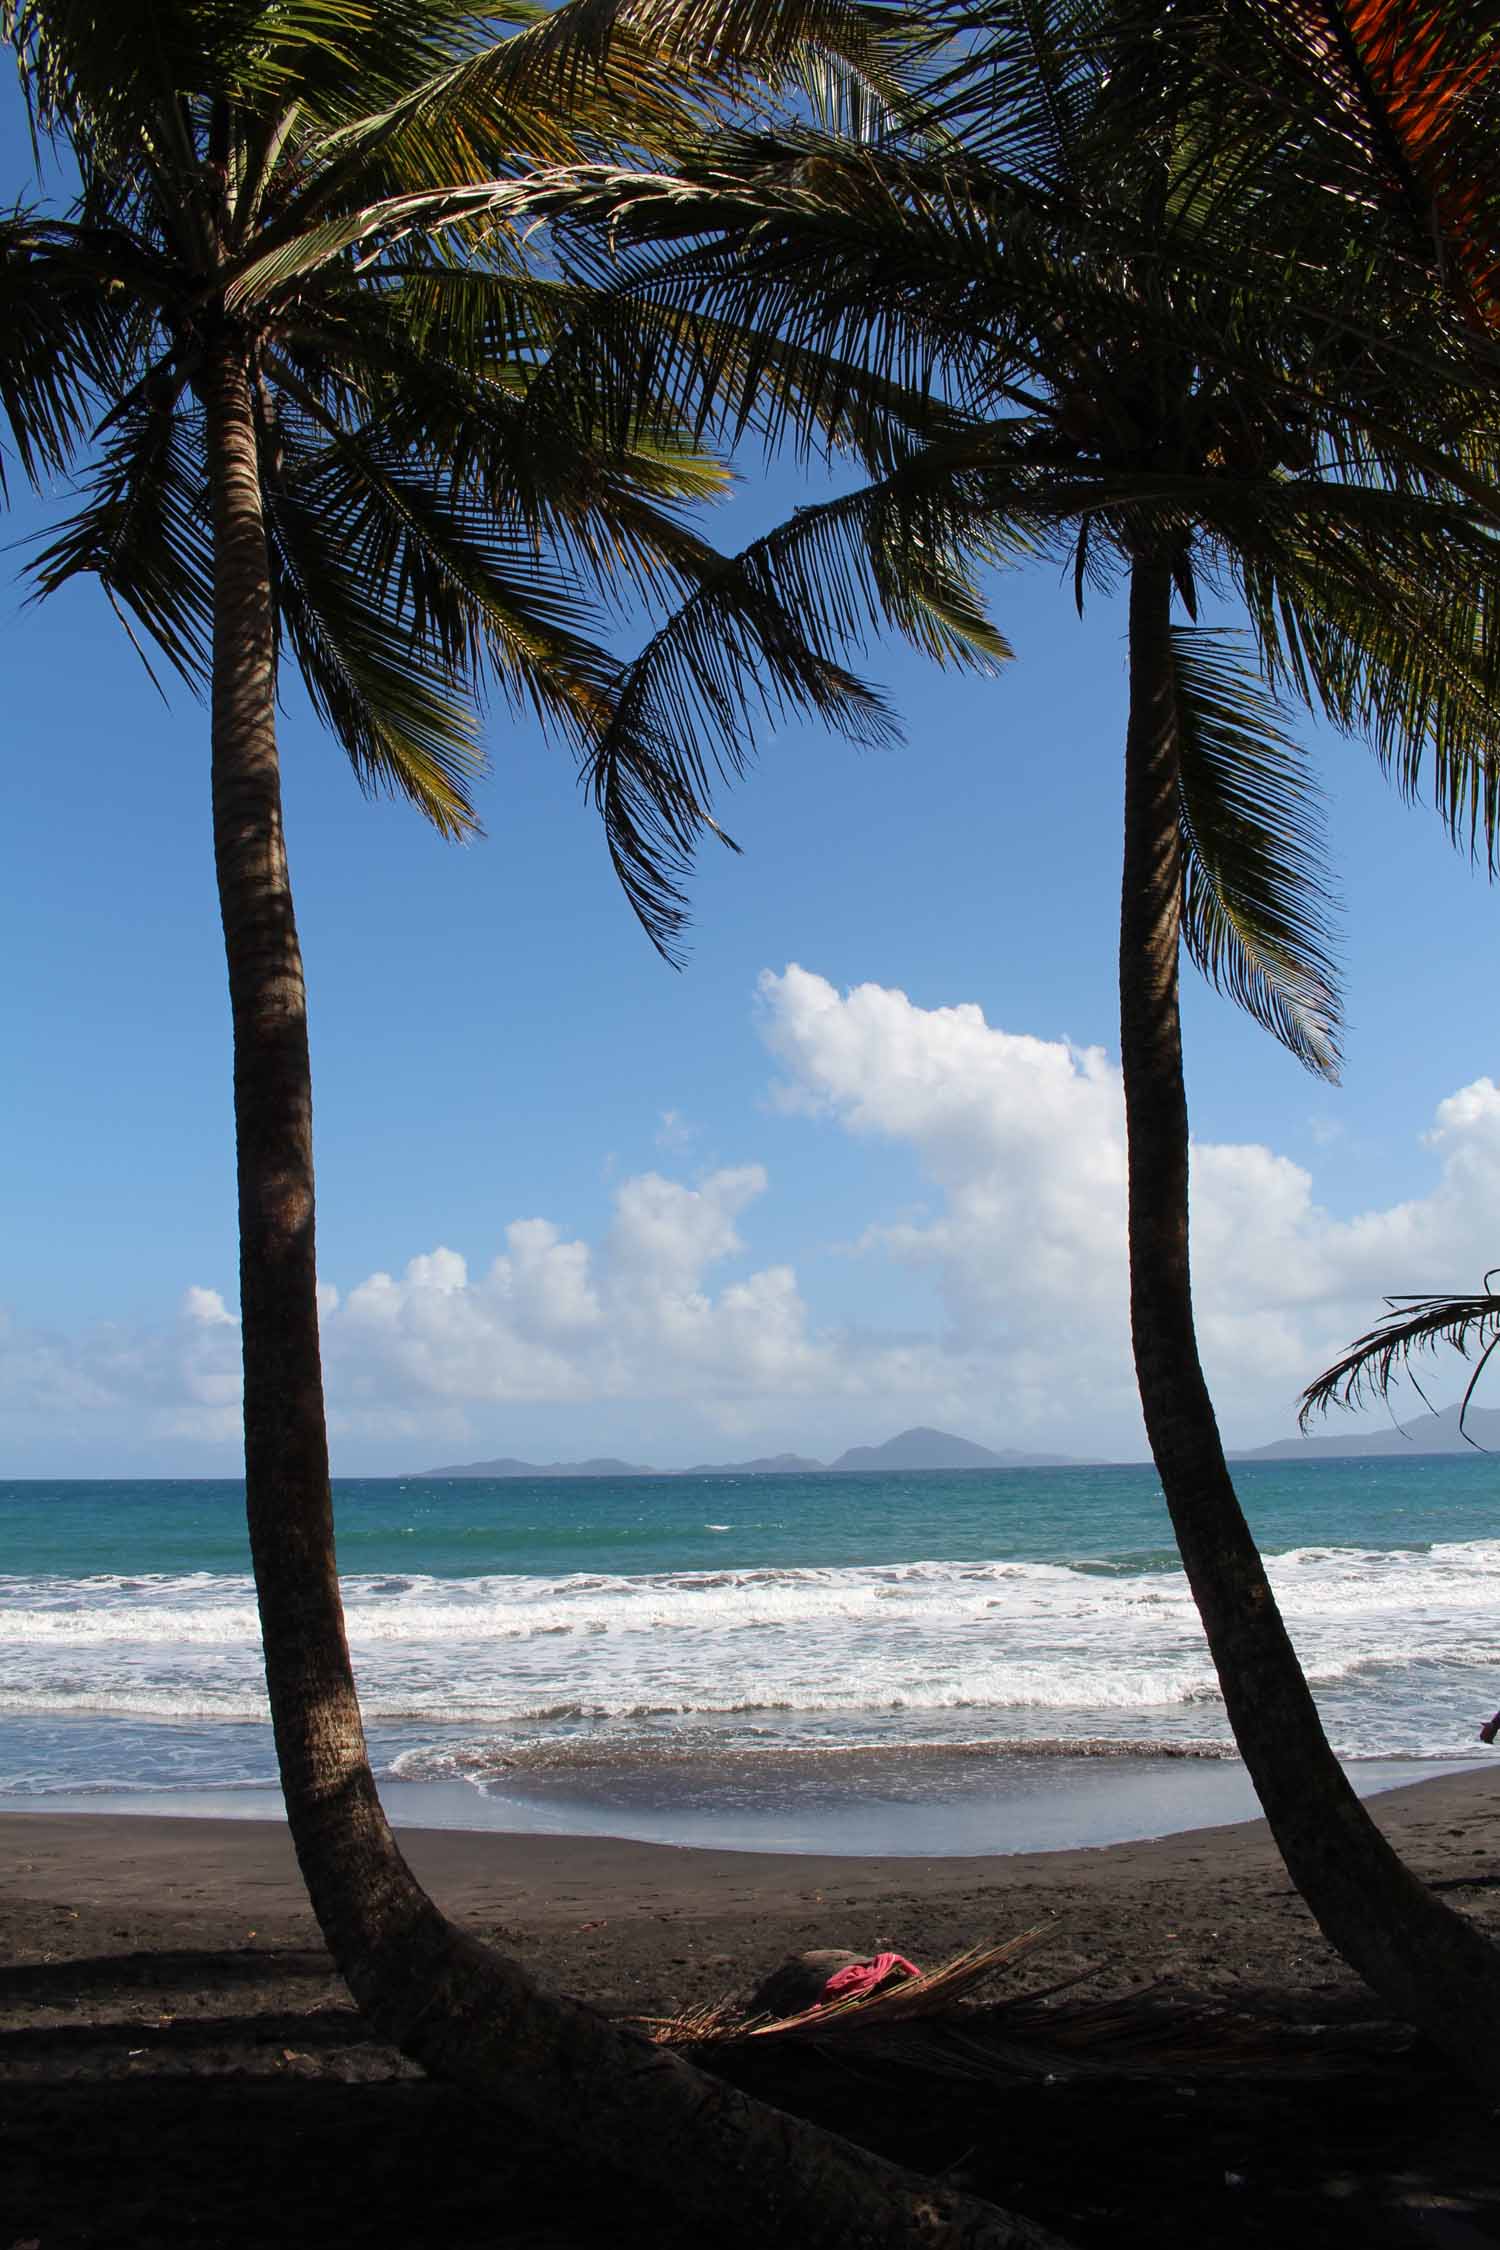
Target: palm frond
402,716
1413,1326
1397,642
1255,897
282,256
556,90
861,2019
120,65
431,593
764,634
141,532
1416,84
55,341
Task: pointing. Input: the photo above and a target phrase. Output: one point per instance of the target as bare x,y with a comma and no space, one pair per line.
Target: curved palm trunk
462,2011
1425,1960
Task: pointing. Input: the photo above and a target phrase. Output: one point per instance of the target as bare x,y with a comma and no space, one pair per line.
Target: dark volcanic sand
181,2067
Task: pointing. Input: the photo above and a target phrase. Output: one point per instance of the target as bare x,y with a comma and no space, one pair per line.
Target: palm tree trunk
1430,1964
467,2014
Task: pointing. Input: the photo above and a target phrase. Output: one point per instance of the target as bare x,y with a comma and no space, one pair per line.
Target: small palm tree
347,420
1159,361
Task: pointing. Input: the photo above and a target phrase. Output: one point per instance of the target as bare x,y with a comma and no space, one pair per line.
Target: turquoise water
516,1638
1112,1517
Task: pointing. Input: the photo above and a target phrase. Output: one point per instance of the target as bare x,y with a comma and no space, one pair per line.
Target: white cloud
1019,1142
182,1381
635,1316
1025,1138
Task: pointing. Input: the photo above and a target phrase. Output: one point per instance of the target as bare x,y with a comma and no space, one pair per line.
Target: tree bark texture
1430,1964
465,2013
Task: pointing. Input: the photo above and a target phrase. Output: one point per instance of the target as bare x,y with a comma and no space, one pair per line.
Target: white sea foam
1395,1642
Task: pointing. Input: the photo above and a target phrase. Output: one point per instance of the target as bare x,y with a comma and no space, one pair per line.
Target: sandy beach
182,2067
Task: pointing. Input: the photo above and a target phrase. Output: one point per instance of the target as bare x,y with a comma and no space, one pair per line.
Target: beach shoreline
183,2067
591,1910
914,1801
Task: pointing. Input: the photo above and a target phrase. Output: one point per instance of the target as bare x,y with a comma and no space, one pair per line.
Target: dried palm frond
1155,2031
911,2000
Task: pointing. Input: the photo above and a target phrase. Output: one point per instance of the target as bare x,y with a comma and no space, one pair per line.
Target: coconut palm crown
318,192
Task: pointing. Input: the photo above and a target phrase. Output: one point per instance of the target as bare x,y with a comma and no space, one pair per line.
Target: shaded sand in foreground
182,2068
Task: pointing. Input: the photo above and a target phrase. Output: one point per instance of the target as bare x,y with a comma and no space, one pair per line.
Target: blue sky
790,1213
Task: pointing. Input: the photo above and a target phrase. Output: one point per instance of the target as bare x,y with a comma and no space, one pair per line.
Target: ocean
777,1659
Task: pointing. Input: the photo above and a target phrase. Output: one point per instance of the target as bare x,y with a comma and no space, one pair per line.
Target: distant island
923,1448
1428,1433
910,1449
936,1449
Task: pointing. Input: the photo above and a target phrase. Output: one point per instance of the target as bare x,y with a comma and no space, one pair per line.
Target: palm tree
1161,363
1407,98
340,419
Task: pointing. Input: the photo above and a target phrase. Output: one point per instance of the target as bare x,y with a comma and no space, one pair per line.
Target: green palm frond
1255,897
764,635
1400,648
463,386
718,374
549,93
141,533
1023,85
462,593
833,248
571,81
1414,1326
933,274
881,39
407,728
296,250
468,468
54,343
1164,351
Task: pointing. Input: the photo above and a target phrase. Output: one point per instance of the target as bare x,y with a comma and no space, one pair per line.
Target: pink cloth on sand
861,1977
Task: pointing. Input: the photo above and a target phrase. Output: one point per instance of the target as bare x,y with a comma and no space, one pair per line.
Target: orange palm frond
1422,66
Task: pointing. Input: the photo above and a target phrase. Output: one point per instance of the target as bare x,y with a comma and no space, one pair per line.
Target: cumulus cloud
1019,1142
550,1319
1025,1138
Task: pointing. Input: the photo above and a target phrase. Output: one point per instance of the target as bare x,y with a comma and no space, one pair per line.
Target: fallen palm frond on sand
919,2024
914,1999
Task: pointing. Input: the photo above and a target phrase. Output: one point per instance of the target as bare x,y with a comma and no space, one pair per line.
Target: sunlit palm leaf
1255,898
